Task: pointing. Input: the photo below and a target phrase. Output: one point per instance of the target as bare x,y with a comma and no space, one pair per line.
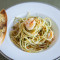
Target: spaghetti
32,34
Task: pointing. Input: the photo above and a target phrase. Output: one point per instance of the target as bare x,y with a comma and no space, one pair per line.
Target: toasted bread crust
5,16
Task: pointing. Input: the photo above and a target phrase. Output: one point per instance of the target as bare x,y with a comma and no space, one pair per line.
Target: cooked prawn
30,23
50,35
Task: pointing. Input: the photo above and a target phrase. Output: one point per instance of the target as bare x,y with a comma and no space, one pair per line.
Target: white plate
9,49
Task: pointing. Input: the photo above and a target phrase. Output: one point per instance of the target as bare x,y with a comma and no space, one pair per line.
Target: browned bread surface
3,25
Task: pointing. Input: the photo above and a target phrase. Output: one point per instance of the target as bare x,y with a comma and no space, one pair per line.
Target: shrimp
30,23
50,36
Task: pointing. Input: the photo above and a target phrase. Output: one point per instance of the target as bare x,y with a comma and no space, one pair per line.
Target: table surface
8,3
